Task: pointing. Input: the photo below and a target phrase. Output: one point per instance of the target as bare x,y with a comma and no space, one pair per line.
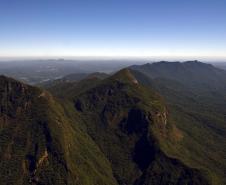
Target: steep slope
197,107
40,144
130,125
102,132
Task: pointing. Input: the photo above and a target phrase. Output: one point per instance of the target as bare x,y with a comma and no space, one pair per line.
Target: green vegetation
129,122
142,126
196,107
39,145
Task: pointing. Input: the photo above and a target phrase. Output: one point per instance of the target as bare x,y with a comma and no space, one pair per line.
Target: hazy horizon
114,58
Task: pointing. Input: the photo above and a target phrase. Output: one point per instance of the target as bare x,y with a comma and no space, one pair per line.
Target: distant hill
191,73
72,79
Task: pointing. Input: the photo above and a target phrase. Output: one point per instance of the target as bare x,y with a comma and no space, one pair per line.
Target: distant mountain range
153,124
191,73
40,71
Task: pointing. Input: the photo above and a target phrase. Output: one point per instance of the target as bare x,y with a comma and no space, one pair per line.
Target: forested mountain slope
129,122
40,144
125,129
197,106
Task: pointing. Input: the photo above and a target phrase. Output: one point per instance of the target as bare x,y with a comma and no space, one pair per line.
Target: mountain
194,74
130,125
221,65
41,145
197,106
123,129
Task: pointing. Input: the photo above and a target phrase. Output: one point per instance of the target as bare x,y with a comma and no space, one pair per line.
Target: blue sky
166,28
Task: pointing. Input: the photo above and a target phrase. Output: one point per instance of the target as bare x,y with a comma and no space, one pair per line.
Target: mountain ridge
191,73
197,107
120,105
39,142
123,129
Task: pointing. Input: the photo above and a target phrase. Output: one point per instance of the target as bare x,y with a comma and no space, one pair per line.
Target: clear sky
166,28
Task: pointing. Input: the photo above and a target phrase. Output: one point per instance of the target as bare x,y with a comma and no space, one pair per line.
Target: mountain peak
125,75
